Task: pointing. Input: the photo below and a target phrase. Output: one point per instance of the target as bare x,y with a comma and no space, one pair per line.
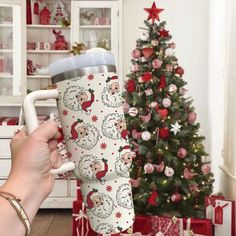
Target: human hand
32,158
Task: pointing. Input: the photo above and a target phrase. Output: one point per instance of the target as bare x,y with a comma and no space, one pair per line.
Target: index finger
47,131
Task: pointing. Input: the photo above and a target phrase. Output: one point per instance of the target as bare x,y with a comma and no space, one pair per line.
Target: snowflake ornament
175,127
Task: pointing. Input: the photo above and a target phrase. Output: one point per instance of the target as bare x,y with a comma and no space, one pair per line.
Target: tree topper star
175,128
153,12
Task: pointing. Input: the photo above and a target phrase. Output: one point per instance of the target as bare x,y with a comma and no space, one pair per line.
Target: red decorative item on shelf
60,43
28,13
44,16
9,121
201,227
30,67
2,62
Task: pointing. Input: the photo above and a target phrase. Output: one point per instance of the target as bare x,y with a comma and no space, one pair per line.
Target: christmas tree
170,173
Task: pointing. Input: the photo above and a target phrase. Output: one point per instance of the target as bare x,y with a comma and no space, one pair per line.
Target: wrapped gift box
9,121
210,204
224,218
142,225
198,227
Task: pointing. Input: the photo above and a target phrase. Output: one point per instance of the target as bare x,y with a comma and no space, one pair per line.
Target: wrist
30,199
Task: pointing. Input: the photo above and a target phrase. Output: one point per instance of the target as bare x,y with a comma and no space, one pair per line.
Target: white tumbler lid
81,61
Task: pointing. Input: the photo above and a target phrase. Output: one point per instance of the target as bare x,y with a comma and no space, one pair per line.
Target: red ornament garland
162,83
147,76
152,199
164,133
130,86
164,33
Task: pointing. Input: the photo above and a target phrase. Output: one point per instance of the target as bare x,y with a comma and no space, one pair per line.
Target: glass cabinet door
10,50
95,24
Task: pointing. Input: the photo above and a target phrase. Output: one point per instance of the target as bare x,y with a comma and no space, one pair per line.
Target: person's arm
32,158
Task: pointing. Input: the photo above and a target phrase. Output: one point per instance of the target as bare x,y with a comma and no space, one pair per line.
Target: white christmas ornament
146,136
175,127
172,88
169,171
166,102
148,92
169,52
153,104
133,111
148,168
144,36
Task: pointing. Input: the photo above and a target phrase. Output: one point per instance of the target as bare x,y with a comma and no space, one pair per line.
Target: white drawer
5,167
60,189
5,148
73,188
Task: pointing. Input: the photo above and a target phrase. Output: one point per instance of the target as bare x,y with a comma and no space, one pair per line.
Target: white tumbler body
95,132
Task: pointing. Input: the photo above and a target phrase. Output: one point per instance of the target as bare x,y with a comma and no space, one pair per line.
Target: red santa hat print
73,131
90,203
124,148
114,77
88,103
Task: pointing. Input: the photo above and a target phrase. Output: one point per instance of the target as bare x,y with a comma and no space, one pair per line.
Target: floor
52,223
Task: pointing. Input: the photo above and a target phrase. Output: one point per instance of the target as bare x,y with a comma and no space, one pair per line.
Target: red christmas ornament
179,70
164,133
130,86
182,153
162,113
153,12
164,33
176,197
152,199
147,76
147,52
162,83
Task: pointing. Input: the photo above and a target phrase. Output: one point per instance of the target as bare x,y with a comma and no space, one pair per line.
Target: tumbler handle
32,121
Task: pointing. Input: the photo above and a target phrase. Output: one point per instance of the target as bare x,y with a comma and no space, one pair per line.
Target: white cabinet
26,50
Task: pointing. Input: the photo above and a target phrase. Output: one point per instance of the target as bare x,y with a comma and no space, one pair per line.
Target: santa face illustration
105,228
99,204
123,162
92,168
111,96
124,196
85,135
114,127
78,99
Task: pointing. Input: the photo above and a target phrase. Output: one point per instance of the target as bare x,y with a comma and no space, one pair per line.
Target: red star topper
153,12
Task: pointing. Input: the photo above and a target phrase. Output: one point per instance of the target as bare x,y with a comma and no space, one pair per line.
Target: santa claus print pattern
111,95
84,135
78,99
95,132
114,126
92,168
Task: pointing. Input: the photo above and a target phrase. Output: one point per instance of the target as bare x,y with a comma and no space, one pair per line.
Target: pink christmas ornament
192,116
166,102
169,172
159,168
176,197
153,104
206,169
133,111
140,80
145,118
146,136
135,182
126,107
148,92
182,153
136,53
135,134
154,42
188,174
156,63
172,88
133,154
148,168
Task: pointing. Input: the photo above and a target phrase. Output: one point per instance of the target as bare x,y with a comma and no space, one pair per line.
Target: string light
166,147
196,164
182,176
184,164
164,181
195,150
184,198
203,182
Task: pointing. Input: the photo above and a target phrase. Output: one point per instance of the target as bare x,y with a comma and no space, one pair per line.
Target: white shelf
38,76
46,103
2,75
49,51
6,50
6,25
47,27
95,26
